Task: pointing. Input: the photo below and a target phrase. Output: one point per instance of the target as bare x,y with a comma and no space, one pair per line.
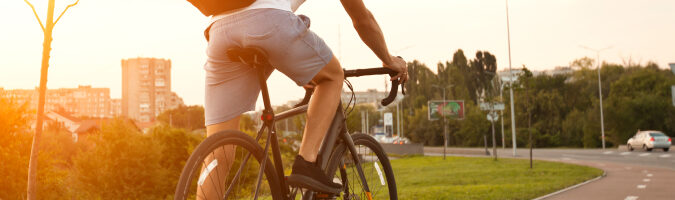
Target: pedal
323,196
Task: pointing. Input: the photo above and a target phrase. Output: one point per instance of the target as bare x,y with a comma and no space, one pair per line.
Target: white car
649,140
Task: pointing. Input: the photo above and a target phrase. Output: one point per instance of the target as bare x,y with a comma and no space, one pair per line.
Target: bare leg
322,108
225,158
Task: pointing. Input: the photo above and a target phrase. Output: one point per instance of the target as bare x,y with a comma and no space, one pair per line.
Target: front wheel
376,168
630,148
226,166
666,149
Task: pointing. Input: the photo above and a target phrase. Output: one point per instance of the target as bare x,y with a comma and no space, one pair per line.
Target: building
83,101
505,76
115,107
370,96
558,71
146,88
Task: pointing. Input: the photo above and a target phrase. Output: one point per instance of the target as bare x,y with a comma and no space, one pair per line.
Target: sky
93,37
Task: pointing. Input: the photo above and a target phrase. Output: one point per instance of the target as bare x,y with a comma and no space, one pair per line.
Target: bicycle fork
355,156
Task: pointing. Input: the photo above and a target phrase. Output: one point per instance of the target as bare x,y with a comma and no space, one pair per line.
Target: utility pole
602,117
513,116
445,129
46,49
494,141
501,112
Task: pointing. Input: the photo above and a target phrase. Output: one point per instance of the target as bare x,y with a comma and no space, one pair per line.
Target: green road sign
451,109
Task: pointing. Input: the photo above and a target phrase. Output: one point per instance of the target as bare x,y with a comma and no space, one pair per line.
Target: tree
15,141
642,98
176,145
186,117
14,148
121,164
46,48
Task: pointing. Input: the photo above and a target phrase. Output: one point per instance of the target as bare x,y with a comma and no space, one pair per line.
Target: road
630,175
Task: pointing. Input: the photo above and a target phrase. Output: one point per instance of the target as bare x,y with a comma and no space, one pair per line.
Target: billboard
451,109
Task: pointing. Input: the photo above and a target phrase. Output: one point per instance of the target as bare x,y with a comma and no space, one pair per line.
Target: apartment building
146,88
83,101
370,96
115,107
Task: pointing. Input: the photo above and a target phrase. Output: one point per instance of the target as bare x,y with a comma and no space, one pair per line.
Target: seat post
268,112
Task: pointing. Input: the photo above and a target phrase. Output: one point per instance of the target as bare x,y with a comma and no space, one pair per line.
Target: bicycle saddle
247,55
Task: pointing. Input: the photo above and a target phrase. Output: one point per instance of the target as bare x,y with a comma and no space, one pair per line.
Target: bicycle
357,161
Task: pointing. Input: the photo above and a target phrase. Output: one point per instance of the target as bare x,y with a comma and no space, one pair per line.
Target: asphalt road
630,175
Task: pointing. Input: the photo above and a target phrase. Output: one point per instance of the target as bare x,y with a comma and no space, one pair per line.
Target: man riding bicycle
232,87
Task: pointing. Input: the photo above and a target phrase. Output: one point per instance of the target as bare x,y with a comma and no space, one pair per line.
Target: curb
604,173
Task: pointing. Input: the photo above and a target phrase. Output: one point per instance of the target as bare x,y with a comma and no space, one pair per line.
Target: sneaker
308,175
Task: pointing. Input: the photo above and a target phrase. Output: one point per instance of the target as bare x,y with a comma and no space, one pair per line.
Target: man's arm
371,34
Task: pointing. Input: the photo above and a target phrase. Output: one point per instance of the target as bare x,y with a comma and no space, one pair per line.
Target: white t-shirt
288,5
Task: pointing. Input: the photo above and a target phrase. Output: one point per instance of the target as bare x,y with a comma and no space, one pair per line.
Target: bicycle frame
336,131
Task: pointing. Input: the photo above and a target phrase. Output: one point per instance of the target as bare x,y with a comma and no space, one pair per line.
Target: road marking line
641,186
646,180
608,152
649,175
625,153
566,158
644,154
631,198
665,156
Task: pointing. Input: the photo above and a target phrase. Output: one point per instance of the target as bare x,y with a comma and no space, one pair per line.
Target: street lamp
513,117
602,118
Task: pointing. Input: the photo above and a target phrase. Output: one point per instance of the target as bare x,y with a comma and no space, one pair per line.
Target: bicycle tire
243,144
340,159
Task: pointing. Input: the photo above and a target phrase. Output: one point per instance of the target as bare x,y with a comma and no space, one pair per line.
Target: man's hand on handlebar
399,65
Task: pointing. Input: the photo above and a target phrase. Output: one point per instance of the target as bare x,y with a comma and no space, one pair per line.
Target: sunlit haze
93,37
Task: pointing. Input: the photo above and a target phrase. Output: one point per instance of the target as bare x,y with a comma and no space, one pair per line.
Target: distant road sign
492,116
491,106
672,88
452,109
672,67
388,119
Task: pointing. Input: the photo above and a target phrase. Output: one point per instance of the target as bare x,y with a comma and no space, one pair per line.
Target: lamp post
513,117
602,117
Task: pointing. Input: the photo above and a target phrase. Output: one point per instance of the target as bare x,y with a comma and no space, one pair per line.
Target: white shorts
232,88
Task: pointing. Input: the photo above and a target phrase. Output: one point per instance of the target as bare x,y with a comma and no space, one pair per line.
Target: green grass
483,178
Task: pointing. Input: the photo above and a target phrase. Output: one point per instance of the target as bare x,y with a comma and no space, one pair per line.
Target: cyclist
232,87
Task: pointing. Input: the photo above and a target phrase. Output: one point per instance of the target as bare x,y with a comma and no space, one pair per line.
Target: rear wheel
630,148
215,170
666,149
376,168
